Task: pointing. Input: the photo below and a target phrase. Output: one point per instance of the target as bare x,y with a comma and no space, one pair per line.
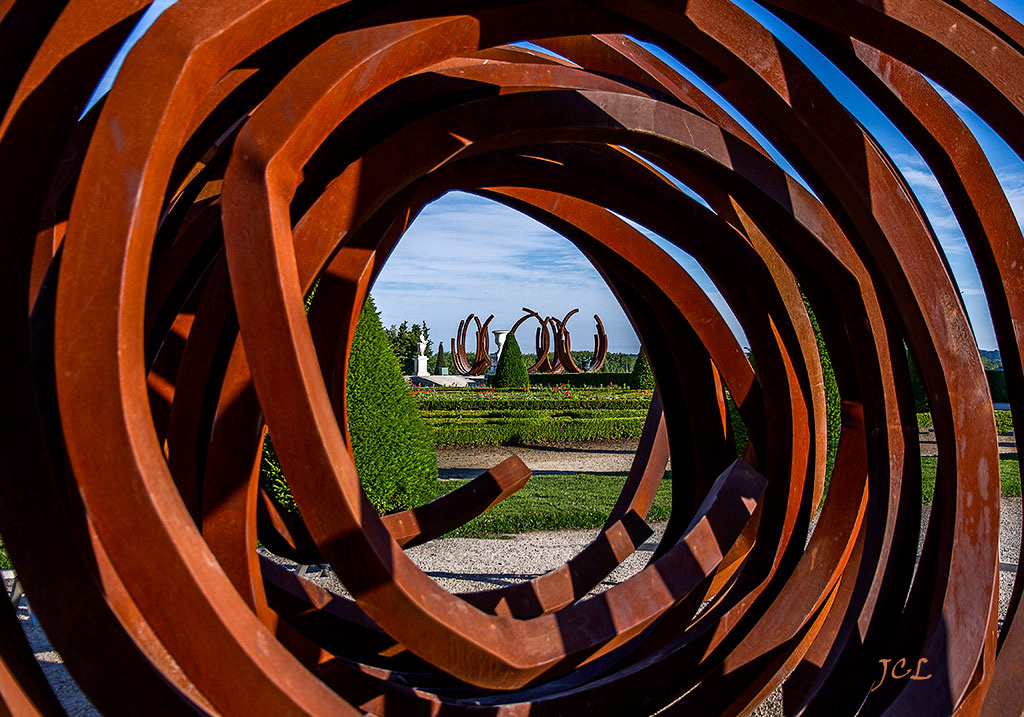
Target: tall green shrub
511,370
997,386
439,361
642,376
393,449
921,403
833,402
392,446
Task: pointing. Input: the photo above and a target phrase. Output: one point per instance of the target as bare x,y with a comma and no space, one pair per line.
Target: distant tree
991,360
404,340
511,370
642,376
440,360
613,362
619,363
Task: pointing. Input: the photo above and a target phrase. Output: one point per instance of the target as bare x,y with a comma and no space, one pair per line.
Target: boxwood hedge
501,432
511,369
642,376
580,380
393,450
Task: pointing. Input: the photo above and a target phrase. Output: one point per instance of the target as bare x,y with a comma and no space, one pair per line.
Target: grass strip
1009,476
1004,422
558,502
583,500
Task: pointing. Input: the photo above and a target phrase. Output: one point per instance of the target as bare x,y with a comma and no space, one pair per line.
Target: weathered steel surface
542,341
482,360
157,249
563,346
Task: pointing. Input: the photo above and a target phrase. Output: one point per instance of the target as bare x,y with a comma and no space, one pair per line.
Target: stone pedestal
421,366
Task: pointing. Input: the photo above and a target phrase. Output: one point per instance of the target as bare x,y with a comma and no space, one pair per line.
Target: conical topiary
511,371
393,450
439,360
642,376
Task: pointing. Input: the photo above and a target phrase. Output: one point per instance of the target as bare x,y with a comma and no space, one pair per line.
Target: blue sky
465,254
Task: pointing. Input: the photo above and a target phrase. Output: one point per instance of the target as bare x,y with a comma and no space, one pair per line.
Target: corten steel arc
481,361
542,341
563,346
156,252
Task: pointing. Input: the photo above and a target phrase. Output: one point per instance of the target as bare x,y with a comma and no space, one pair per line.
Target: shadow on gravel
497,579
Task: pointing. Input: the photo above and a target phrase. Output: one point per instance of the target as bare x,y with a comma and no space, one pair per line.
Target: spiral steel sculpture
155,255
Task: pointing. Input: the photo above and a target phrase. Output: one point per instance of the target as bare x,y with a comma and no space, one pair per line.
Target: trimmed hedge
921,404
997,386
739,428
391,444
578,380
503,432
833,402
502,416
642,377
441,403
511,371
272,478
393,450
1004,421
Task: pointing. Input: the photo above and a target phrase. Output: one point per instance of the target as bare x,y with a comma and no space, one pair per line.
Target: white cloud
1013,186
465,254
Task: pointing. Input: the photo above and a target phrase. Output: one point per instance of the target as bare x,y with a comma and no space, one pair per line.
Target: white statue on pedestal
421,358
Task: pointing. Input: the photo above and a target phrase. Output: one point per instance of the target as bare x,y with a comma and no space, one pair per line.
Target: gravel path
1007,443
463,564
568,457
590,457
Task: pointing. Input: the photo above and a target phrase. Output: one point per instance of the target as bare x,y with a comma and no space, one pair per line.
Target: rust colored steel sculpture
157,250
482,360
542,342
563,346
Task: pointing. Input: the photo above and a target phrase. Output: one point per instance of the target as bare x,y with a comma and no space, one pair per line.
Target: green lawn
584,500
1009,474
557,502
